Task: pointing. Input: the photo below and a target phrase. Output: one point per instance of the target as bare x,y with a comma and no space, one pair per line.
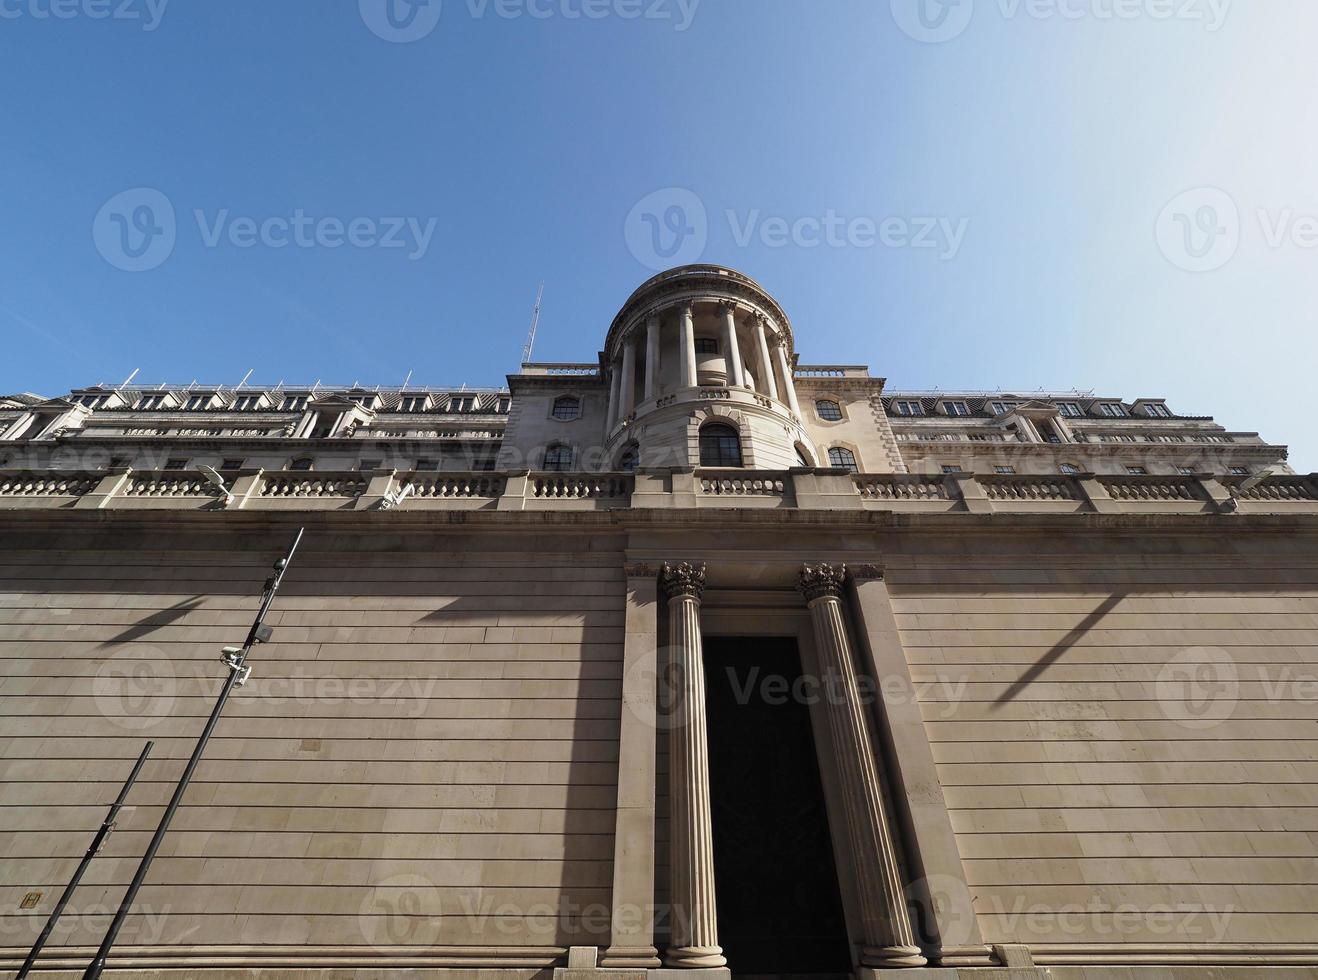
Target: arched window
829,411
567,408
843,459
558,459
303,464
629,460
720,446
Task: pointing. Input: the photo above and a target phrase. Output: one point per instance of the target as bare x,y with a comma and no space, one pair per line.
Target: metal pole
98,841
235,660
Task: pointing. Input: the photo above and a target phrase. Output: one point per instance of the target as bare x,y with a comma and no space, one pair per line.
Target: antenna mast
535,322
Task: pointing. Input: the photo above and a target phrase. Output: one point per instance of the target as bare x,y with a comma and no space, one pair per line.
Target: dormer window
829,411
1070,410
294,403
93,401
150,402
1002,408
567,408
416,403
365,401
462,403
248,403
505,405
908,408
956,409
1158,411
1113,410
199,403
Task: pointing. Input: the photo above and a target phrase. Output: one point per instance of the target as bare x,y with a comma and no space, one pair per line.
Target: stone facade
1062,720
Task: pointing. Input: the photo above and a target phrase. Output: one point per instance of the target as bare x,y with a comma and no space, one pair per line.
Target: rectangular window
118,462
1137,471
505,404
706,345
953,469
1239,471
198,403
956,408
365,401
176,464
368,465
149,402
463,404
294,403
232,464
1157,411
1070,410
427,465
1185,470
908,408
247,403
1113,410
1005,470
1069,469
416,403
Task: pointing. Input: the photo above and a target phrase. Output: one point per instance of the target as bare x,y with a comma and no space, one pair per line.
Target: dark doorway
779,910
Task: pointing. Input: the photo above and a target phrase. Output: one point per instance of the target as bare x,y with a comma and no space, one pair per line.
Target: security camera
217,481
395,498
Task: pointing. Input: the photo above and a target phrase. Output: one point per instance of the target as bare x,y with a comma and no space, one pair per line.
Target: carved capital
867,573
728,308
819,581
683,580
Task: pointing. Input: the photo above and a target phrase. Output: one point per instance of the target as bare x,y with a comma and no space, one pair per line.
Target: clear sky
1105,194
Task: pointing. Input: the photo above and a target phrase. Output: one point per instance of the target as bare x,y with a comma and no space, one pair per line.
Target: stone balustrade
803,489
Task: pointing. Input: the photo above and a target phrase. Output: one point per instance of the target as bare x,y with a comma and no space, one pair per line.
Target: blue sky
1108,194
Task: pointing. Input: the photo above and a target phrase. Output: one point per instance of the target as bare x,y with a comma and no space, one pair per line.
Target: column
632,934
694,916
613,399
686,339
652,362
731,349
627,393
765,362
888,940
785,367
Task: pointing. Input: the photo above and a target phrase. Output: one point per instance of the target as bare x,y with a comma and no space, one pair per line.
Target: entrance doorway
779,908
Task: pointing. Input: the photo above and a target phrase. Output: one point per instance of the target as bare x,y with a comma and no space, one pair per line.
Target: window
505,405
1158,411
247,403
1069,469
118,462
908,408
843,459
93,401
956,408
1002,408
1113,410
953,469
720,445
829,411
567,409
1070,410
630,460
1137,471
367,465
427,465
365,401
294,403
301,465
484,465
462,403
176,464
706,345
149,402
198,403
1239,471
1005,470
232,464
558,459
1185,470
416,403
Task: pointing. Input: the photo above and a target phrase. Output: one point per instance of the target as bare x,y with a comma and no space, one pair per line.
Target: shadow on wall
158,620
1053,655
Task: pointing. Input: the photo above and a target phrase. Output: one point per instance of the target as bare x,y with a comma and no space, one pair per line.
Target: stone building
693,661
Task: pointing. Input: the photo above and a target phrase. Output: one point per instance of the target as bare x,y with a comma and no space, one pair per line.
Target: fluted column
627,393
888,940
694,919
765,363
614,392
732,350
686,339
785,365
652,362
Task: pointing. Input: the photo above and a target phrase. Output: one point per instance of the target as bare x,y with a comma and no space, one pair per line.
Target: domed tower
700,365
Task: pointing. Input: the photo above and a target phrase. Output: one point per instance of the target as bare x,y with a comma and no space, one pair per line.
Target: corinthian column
785,366
888,940
686,342
695,921
731,349
765,363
